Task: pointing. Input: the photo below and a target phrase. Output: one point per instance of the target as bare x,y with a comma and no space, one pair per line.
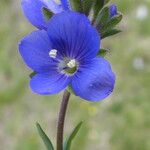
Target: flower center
71,63
68,66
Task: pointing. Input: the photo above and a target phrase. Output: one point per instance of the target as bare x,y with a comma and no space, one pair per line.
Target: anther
53,53
71,63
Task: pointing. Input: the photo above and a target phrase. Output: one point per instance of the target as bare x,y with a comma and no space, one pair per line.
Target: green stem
61,119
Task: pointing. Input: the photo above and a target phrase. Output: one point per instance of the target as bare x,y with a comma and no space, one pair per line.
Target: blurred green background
120,122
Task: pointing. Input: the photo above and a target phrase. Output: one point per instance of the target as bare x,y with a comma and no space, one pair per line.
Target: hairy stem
61,119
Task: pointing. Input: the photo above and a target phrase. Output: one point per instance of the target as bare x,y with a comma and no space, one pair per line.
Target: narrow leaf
102,18
45,138
110,33
102,52
87,6
47,14
106,1
32,74
68,142
76,5
113,22
97,7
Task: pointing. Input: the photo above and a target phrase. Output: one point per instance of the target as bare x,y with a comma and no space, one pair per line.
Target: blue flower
113,10
33,10
65,55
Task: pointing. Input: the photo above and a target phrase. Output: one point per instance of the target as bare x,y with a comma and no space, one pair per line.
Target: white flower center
71,63
53,53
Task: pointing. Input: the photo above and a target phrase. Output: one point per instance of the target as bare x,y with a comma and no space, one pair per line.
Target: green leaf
112,22
32,74
110,33
102,17
102,52
87,6
77,5
45,138
98,5
68,142
48,14
106,1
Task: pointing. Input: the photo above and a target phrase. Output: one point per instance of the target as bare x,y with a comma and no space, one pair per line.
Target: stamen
53,53
71,63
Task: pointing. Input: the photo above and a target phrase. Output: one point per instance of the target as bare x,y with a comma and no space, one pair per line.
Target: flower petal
33,11
34,49
53,6
52,83
66,4
72,34
94,81
113,10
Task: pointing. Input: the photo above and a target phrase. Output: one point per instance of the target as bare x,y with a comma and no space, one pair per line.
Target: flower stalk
61,120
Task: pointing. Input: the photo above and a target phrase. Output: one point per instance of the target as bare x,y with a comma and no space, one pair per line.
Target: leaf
102,52
32,74
87,6
68,142
112,22
110,33
47,14
102,18
83,6
98,5
77,5
106,1
44,137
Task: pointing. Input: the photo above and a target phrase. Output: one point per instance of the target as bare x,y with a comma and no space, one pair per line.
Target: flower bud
113,10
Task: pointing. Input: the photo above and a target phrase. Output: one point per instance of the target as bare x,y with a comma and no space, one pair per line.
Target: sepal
102,52
68,142
112,22
102,18
98,5
45,138
87,6
105,25
47,13
83,6
32,74
77,5
110,32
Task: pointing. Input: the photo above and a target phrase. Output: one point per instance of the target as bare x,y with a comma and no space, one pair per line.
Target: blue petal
45,84
53,6
113,10
65,4
73,36
94,81
33,11
34,49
